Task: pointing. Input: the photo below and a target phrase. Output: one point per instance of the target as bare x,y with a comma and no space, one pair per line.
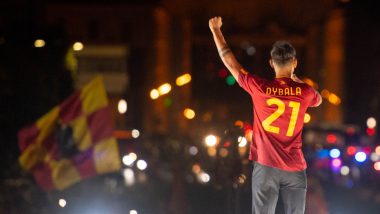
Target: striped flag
72,142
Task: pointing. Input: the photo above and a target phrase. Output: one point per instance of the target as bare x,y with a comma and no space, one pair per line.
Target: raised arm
225,52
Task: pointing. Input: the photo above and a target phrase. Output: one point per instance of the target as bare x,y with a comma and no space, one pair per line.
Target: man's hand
215,23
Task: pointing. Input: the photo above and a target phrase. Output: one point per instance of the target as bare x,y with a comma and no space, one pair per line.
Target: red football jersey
279,107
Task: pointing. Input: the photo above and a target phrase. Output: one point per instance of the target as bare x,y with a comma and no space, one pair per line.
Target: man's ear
295,63
271,63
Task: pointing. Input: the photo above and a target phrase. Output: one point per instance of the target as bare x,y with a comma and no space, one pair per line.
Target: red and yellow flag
71,142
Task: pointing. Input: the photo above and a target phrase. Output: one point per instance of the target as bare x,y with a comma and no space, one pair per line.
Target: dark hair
282,52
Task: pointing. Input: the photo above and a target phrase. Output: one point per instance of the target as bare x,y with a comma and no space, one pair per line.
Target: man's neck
280,74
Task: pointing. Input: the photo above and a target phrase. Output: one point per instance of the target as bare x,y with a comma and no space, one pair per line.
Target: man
279,107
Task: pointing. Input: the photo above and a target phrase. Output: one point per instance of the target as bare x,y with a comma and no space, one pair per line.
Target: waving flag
71,142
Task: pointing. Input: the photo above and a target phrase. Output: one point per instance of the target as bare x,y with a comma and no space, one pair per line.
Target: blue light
360,157
323,153
334,153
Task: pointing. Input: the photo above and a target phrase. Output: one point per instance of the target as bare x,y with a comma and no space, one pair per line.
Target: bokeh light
135,133
141,164
242,141
62,202
183,79
189,113
370,131
331,138
204,177
360,157
164,88
154,94
211,140
377,150
193,150
230,80
351,150
39,43
334,153
336,162
376,166
307,118
122,106
129,159
345,170
78,46
371,122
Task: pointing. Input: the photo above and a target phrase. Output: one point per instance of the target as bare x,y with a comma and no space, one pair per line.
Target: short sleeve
316,98
250,83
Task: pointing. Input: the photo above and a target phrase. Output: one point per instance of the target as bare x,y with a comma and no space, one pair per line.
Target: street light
39,43
78,46
183,79
211,140
122,106
62,202
154,94
189,113
164,88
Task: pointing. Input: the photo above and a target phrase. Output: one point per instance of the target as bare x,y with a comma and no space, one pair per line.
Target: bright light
351,150
129,177
62,202
122,106
242,141
193,150
360,157
336,163
371,122
135,133
39,43
376,166
211,140
189,113
334,153
307,118
133,156
164,89
345,170
141,164
334,99
78,46
331,138
182,80
154,94
129,159
133,212
374,157
204,177
377,150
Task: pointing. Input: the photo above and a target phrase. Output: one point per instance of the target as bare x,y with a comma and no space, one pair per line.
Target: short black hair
282,52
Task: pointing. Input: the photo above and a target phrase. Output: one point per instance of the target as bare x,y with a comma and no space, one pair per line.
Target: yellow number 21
279,111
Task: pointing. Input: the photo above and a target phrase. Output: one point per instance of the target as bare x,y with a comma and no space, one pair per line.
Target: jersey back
279,108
